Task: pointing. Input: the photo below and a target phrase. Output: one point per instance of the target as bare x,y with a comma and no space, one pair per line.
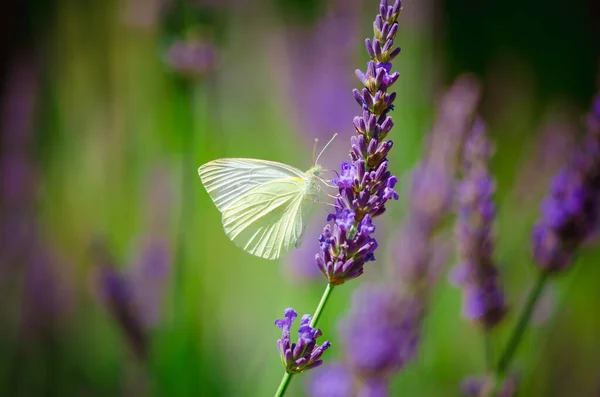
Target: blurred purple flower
366,185
305,354
192,57
483,299
570,211
17,171
116,291
150,267
333,380
381,332
418,256
46,297
433,183
149,274
135,296
373,388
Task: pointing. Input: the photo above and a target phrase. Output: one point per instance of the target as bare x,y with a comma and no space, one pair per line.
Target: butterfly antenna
325,147
315,149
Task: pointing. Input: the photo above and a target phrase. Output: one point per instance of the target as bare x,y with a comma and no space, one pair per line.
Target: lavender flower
151,265
17,169
373,388
483,299
381,333
333,380
117,293
432,186
419,256
28,266
148,277
192,58
47,298
570,211
365,184
304,355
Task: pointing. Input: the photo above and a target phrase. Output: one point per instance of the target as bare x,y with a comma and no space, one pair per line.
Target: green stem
287,377
284,384
519,330
321,306
489,359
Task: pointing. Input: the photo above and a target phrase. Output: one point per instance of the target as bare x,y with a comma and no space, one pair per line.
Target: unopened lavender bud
369,47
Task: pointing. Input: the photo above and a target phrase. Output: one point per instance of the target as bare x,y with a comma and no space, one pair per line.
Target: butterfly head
317,170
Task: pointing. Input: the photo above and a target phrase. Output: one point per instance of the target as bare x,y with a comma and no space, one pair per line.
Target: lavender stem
322,304
489,359
519,330
284,384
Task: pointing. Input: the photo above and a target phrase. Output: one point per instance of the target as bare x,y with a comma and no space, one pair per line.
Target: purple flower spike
116,290
483,299
334,380
570,212
373,388
192,58
380,334
304,355
365,184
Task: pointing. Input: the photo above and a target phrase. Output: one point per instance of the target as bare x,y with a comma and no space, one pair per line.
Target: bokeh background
115,276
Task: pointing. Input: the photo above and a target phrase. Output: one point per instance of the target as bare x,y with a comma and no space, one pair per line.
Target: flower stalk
519,331
569,215
322,304
364,186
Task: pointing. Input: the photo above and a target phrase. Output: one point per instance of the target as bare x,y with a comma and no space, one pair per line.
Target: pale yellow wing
269,220
226,180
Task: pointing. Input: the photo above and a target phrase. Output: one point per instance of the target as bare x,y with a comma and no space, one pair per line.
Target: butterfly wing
269,220
226,180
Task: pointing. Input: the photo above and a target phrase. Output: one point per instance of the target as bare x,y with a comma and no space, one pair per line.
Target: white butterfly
265,204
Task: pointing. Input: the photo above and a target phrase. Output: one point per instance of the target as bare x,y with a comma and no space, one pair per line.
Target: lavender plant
476,272
134,297
364,184
116,291
569,214
191,57
29,267
379,336
381,333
